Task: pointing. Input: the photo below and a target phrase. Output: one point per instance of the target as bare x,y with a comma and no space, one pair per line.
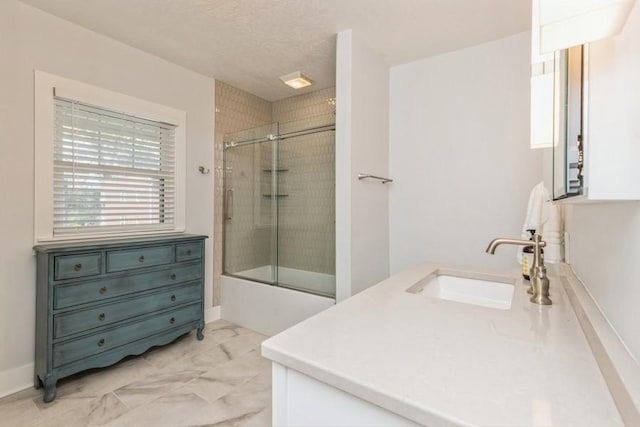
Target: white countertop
445,363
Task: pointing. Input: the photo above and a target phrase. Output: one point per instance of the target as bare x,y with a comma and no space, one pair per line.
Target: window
106,164
110,170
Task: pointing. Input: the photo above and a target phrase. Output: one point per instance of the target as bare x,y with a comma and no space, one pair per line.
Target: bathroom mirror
569,122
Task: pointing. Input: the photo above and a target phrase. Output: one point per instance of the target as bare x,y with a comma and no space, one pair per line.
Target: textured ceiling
250,43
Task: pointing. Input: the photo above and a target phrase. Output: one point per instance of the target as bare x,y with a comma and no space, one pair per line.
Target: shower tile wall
306,223
236,110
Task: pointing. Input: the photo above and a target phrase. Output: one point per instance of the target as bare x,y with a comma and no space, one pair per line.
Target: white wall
605,238
362,123
613,114
459,154
31,39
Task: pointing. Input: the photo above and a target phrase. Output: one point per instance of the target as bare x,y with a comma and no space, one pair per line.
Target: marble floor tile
261,419
211,353
238,406
248,365
242,344
125,372
162,356
152,387
172,410
221,381
223,328
203,359
215,333
19,409
95,383
242,420
65,403
256,391
96,413
90,386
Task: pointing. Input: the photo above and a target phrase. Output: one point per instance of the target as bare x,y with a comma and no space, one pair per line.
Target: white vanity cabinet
302,401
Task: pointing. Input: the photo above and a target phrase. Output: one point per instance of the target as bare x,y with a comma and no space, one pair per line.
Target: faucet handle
538,244
537,238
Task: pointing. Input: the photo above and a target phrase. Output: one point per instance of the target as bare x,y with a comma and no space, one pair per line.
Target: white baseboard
212,314
16,379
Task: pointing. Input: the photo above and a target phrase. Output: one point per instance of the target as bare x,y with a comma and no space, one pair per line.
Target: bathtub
269,309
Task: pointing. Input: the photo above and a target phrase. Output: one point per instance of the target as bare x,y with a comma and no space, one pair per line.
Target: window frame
46,85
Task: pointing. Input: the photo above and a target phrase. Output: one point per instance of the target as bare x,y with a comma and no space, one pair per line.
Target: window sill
107,237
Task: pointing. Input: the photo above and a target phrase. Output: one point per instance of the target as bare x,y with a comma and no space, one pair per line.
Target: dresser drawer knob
77,267
173,297
172,320
101,342
101,317
188,252
103,290
173,276
141,258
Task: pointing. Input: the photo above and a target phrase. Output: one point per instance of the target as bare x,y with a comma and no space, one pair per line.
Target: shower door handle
229,205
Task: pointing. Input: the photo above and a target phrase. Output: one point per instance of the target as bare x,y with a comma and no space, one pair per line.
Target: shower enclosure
279,205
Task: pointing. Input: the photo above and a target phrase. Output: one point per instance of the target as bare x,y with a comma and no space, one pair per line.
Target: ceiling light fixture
296,80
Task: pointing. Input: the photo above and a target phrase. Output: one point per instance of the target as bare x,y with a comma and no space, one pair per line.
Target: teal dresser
99,302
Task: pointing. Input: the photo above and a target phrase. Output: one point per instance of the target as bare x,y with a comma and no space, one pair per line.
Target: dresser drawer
72,350
187,251
68,295
137,258
72,266
71,323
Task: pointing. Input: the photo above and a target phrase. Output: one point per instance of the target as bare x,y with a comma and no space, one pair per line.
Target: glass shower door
279,207
306,211
251,205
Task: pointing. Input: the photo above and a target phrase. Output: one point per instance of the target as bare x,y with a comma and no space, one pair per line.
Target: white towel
546,218
552,233
537,210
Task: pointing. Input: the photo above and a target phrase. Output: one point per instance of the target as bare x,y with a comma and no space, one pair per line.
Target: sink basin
468,288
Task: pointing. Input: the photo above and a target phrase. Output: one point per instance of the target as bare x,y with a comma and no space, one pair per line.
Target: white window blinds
112,171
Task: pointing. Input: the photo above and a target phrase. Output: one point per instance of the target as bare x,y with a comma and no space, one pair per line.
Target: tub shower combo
279,209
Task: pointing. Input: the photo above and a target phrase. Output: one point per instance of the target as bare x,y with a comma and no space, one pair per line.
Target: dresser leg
199,334
36,382
49,388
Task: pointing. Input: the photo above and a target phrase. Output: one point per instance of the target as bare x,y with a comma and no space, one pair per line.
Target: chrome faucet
539,289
